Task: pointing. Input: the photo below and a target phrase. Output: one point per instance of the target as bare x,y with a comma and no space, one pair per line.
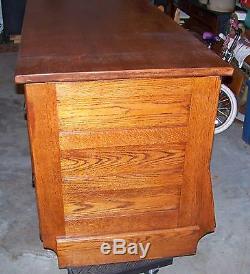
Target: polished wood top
82,40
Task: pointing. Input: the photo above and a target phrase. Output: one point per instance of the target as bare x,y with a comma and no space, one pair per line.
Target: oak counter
121,105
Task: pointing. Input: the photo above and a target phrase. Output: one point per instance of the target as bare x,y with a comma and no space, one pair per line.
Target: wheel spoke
223,108
219,121
222,113
221,101
223,97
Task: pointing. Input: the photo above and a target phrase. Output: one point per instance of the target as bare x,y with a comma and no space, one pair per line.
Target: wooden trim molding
164,243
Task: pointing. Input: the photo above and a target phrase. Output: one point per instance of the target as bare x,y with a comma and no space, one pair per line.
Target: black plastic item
123,268
13,13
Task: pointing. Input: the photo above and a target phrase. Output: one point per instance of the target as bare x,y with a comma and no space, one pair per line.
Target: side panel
127,158
122,153
123,146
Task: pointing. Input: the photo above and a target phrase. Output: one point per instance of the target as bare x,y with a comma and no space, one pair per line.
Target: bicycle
231,49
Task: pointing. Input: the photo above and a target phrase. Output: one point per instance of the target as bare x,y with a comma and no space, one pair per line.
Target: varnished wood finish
114,203
122,137
196,169
44,142
129,160
148,220
125,175
124,181
164,243
122,160
111,39
105,165
127,154
115,104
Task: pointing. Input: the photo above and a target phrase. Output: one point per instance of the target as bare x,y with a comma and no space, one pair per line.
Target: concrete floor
226,251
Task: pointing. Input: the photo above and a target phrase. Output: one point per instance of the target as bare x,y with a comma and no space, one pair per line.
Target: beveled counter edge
124,74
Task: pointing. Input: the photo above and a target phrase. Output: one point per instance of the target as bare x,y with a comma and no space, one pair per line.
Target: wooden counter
121,106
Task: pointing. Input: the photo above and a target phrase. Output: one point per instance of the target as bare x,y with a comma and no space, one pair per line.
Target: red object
245,3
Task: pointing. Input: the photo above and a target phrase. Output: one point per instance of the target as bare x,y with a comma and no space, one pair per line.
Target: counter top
82,40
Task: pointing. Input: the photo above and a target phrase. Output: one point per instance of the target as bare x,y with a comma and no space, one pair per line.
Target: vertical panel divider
196,206
44,143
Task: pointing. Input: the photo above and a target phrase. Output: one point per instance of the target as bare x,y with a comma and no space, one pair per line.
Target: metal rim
224,109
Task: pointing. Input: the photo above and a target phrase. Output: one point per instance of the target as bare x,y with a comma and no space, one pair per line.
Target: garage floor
226,251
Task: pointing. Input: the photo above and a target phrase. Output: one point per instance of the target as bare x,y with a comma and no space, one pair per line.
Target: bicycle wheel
227,110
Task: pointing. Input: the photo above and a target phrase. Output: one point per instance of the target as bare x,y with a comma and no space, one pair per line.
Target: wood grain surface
123,181
164,243
197,189
113,203
111,39
123,158
70,140
44,143
109,104
114,167
121,106
122,153
125,223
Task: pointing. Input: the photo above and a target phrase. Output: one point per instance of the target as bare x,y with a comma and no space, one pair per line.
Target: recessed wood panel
123,104
122,160
70,140
123,223
122,181
114,202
